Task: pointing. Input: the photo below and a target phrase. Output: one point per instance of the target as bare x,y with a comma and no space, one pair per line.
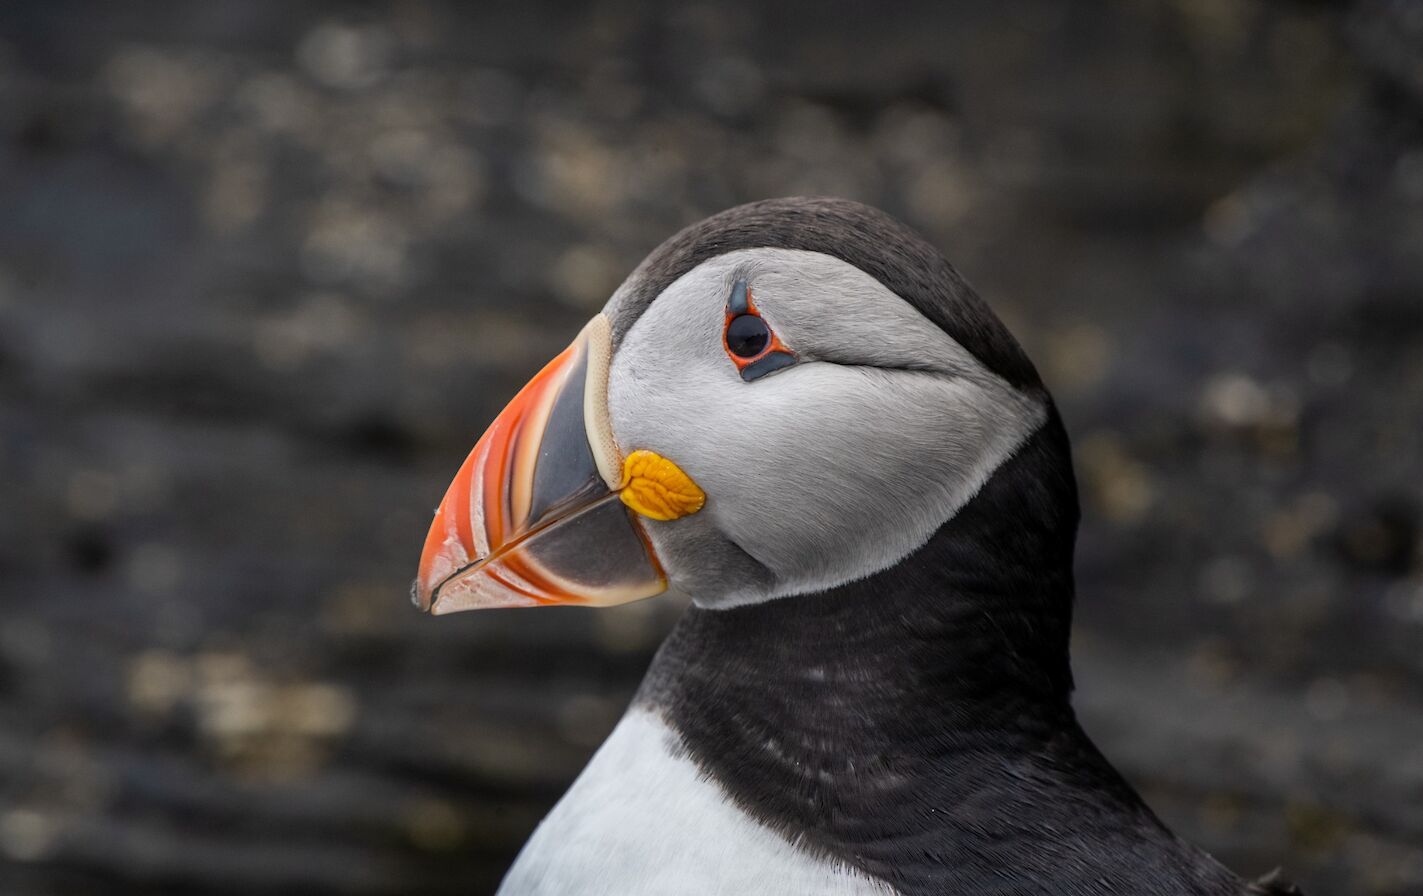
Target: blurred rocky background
267,269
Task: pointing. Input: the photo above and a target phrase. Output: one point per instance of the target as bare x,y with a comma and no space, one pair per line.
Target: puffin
799,414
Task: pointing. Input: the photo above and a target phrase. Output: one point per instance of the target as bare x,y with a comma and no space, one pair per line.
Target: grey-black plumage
917,724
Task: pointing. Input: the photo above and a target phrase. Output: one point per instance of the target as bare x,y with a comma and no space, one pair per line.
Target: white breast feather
643,821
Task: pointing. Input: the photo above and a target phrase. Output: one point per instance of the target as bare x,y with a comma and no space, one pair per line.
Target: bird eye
750,342
747,335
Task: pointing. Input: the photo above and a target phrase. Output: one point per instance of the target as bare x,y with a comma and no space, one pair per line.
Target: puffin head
787,397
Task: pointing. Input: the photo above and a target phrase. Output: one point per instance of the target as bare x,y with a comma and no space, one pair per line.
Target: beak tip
420,597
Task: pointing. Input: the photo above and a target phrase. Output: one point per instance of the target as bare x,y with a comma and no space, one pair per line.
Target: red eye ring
755,351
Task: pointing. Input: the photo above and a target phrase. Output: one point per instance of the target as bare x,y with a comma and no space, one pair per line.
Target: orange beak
533,517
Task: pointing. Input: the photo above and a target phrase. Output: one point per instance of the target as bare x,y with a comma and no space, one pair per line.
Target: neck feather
916,724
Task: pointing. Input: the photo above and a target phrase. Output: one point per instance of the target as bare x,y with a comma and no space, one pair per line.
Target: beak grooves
533,516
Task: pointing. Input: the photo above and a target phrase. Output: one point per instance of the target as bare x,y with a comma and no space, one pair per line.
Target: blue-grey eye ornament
750,342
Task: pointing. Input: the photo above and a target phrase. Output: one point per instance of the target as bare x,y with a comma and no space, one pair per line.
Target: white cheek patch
828,471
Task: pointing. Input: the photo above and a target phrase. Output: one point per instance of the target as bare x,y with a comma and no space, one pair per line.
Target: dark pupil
747,335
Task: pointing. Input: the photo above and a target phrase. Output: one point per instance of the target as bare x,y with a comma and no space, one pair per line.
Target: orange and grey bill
534,516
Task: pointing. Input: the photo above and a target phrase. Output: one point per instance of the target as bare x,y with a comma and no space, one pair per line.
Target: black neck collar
917,724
